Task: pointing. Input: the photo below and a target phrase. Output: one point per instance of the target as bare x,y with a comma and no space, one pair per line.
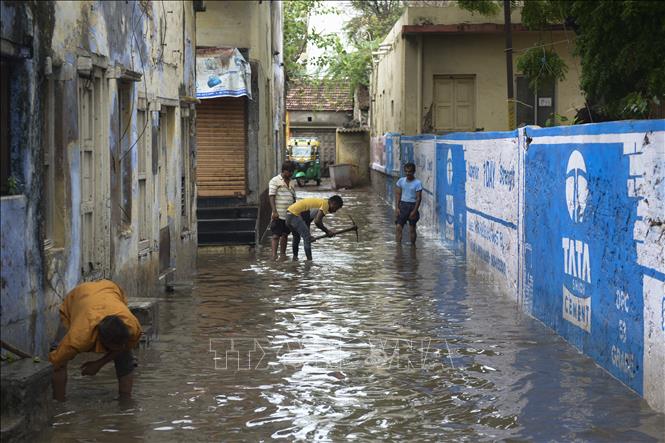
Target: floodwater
370,342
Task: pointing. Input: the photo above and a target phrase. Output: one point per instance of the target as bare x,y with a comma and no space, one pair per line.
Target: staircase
227,225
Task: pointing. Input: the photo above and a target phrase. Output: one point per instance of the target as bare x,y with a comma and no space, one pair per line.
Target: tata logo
577,190
449,168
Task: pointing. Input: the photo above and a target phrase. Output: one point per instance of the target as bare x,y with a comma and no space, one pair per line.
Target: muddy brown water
370,342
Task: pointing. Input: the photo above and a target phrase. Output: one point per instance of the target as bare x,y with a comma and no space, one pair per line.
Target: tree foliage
372,20
347,59
297,35
620,45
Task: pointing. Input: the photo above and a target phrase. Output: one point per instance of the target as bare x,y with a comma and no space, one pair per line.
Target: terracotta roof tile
319,96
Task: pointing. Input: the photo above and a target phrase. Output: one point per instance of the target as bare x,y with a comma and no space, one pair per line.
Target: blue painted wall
585,248
451,194
579,222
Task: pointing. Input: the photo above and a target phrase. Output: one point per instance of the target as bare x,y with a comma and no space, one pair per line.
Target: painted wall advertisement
575,192
451,193
491,203
569,219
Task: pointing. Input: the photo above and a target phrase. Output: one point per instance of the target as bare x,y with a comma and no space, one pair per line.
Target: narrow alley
369,342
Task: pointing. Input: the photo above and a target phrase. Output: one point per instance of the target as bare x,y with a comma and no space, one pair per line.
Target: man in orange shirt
94,317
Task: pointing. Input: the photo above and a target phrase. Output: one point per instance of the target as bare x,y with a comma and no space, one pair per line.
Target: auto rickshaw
304,153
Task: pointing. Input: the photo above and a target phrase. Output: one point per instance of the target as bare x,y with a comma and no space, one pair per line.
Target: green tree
297,35
371,22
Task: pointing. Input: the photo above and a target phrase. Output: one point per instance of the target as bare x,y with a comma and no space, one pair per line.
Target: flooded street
369,342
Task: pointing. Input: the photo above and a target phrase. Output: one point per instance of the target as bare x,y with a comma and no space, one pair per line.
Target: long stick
342,231
14,350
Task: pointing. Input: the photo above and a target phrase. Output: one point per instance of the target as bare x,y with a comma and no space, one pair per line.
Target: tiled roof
319,96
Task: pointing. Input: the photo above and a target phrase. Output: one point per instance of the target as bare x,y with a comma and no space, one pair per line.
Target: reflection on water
370,342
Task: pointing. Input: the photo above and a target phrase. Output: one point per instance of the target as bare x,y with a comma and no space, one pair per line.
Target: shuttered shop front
221,139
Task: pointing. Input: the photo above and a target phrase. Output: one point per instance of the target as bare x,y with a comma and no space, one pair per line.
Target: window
92,191
5,157
454,103
166,128
534,107
145,194
124,162
185,198
87,142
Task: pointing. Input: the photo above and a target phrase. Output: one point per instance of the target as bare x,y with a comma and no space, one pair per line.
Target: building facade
98,109
443,69
241,133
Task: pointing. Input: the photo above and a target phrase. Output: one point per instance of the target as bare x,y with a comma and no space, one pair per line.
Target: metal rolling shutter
221,140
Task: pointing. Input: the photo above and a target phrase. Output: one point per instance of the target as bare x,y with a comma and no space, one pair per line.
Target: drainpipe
288,127
509,65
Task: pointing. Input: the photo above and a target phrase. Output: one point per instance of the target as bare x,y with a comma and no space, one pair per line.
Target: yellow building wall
402,79
353,148
387,85
483,56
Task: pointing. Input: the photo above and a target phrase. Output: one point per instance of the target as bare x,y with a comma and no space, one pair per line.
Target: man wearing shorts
298,220
282,194
408,194
94,317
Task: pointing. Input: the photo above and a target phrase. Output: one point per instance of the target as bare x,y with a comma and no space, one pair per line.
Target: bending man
298,219
94,317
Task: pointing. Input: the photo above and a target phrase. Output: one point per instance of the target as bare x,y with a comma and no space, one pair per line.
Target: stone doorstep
233,250
145,310
25,387
13,428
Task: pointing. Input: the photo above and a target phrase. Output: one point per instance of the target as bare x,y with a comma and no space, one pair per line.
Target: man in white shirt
282,194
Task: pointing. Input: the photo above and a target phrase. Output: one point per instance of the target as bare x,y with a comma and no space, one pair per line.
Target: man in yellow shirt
299,216
94,317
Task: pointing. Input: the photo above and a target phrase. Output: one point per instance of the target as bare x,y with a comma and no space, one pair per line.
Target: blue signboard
582,263
451,194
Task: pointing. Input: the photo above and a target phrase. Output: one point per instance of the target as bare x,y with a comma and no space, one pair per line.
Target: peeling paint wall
566,220
136,59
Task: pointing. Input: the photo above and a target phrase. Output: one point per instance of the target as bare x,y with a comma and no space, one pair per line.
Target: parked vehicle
304,153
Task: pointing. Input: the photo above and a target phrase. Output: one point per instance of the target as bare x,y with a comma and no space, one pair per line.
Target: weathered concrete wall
143,52
26,35
353,148
330,119
402,79
568,221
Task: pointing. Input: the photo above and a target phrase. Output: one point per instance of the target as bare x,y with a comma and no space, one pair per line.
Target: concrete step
225,224
25,387
227,238
231,212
